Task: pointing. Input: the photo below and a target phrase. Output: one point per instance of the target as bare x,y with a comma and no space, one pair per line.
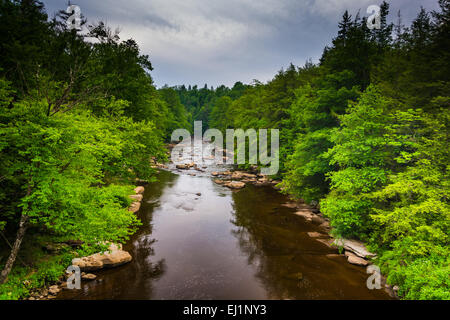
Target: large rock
54,290
305,214
88,277
325,226
235,185
317,235
238,175
137,197
139,190
135,206
353,259
114,257
357,247
317,220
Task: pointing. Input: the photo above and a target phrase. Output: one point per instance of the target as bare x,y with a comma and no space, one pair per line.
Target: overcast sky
224,41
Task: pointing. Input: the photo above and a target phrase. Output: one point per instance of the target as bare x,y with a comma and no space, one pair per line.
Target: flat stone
89,276
137,197
291,205
235,185
317,220
218,181
327,242
305,214
353,259
357,247
54,290
139,189
134,207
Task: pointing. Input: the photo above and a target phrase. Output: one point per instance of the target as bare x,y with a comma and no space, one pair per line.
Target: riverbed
200,240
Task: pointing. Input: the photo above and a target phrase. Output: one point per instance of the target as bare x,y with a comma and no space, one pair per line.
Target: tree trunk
15,249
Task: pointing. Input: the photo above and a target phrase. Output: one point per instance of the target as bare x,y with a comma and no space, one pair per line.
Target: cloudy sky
224,41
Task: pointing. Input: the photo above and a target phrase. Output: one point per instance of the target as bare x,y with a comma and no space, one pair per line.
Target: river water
199,240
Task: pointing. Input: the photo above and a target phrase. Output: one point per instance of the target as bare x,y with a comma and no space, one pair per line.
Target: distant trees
365,133
79,121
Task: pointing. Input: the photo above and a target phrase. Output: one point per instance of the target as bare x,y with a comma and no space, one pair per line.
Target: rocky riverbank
354,250
114,256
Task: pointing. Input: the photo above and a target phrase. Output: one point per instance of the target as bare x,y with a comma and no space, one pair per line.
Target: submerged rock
317,235
295,276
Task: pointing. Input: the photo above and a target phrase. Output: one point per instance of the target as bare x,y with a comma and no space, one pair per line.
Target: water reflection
290,264
223,245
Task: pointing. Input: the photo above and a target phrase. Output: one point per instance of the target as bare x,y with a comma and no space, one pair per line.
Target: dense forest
79,120
363,135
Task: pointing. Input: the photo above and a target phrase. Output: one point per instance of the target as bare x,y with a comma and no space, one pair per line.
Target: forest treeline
79,120
364,133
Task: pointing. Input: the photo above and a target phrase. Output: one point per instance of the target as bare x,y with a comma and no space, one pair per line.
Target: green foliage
365,132
79,121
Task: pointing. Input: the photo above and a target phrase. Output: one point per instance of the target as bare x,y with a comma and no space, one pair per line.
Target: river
200,240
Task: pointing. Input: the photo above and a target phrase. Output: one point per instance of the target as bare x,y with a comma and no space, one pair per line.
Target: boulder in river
353,259
317,219
114,257
135,206
139,189
137,197
305,214
325,226
54,290
235,185
355,246
88,276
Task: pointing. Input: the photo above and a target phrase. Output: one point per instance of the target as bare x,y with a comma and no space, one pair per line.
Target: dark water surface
224,245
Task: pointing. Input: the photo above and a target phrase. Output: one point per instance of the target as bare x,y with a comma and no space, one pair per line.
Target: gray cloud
223,41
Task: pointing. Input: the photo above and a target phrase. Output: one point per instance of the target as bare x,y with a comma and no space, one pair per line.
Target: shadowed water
224,245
